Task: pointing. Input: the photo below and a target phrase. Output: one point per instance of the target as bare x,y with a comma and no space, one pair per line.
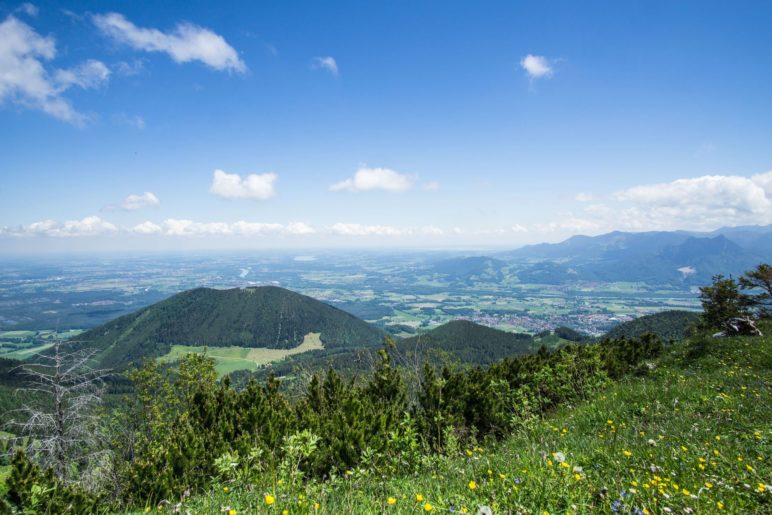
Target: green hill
469,343
668,325
262,317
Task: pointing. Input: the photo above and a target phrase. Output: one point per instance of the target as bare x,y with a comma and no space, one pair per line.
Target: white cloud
89,226
584,197
129,69
571,224
343,229
326,63
132,121
254,186
147,228
369,179
187,42
134,202
705,202
699,203
25,81
181,227
536,66
28,9
519,228
91,74
431,230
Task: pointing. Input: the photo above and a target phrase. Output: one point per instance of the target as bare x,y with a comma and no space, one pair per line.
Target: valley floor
693,435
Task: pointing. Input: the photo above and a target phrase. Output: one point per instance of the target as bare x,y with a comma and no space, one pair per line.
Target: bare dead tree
62,428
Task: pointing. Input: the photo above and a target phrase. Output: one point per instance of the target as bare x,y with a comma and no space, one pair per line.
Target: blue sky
337,124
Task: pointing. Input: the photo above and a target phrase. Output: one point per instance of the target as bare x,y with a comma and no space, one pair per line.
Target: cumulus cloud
700,203
187,42
326,63
344,229
253,186
25,81
89,226
147,228
536,66
369,179
183,227
134,202
703,202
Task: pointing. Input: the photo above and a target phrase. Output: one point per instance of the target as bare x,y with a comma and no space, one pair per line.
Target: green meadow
230,359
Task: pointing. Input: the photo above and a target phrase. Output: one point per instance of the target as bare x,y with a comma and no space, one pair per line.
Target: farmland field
23,345
230,359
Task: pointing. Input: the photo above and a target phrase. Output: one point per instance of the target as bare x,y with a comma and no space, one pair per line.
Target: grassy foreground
693,435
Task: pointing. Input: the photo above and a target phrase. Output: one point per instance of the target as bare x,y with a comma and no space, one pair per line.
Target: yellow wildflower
231,512
428,507
419,497
225,489
269,499
391,501
472,485
627,453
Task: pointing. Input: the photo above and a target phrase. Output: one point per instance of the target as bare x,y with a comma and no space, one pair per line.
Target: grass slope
693,436
267,316
230,359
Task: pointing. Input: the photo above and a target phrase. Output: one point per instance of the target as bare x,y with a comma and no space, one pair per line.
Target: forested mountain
265,316
668,325
471,269
468,343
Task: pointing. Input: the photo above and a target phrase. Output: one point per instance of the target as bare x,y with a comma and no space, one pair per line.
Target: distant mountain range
675,258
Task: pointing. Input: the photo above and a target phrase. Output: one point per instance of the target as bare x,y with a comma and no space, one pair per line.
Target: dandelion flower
627,453
472,485
419,497
428,507
269,499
